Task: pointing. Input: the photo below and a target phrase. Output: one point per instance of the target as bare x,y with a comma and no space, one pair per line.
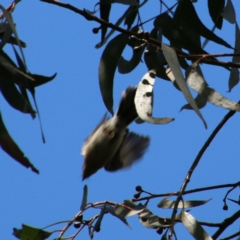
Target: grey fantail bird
111,145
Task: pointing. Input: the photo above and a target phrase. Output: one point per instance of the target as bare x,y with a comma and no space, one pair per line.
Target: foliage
182,27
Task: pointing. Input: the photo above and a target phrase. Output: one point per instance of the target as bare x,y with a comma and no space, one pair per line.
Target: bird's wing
104,119
131,150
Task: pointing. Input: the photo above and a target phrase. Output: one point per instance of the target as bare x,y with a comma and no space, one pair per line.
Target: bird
111,146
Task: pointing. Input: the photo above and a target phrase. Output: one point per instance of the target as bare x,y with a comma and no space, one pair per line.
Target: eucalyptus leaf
152,60
190,17
84,198
126,66
12,26
166,203
229,12
107,68
12,149
172,60
119,212
150,220
144,99
12,95
198,84
215,9
6,34
130,18
99,220
105,9
194,227
234,75
28,232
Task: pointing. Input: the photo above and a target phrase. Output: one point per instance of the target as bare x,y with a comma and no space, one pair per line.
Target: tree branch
197,160
188,191
141,37
227,222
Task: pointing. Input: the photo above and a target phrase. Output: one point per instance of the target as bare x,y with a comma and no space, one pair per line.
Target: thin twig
195,163
188,191
151,41
10,8
89,205
237,234
227,222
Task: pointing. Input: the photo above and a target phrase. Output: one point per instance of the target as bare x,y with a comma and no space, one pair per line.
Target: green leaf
215,9
31,233
144,99
133,12
166,203
107,68
172,60
191,19
152,60
175,35
193,226
40,79
6,34
229,12
84,198
8,65
12,26
12,149
234,75
12,95
149,220
119,213
198,84
104,14
125,66
98,222
118,23
199,100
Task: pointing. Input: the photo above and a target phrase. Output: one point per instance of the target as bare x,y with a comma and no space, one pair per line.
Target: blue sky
61,41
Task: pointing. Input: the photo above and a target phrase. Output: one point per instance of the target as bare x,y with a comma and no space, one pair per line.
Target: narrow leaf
149,220
125,66
6,34
192,20
166,203
144,99
40,79
12,26
175,35
119,213
234,75
28,232
104,14
12,149
84,198
6,64
215,9
107,68
12,95
172,60
129,20
193,226
198,84
229,12
98,222
152,60
200,101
